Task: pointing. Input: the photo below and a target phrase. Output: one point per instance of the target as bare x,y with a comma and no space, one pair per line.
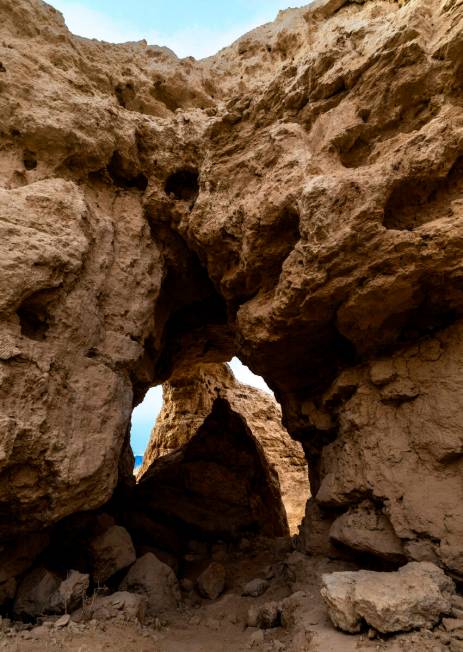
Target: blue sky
144,416
198,28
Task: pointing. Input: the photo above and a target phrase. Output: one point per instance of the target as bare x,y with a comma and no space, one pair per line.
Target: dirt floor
201,625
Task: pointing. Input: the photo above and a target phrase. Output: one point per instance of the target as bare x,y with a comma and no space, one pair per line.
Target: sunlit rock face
295,200
189,399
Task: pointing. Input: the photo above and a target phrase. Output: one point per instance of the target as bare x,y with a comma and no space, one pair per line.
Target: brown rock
33,597
121,603
219,491
188,400
154,580
211,582
71,592
294,200
417,595
365,529
264,616
111,552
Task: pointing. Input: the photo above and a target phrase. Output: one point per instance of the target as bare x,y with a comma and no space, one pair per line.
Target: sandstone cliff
295,200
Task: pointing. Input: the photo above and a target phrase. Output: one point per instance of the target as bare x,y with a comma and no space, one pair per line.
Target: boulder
34,593
264,616
122,603
111,552
417,595
156,581
255,588
211,582
70,593
15,558
365,529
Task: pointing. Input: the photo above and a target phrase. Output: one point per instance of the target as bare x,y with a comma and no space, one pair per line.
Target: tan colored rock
417,595
376,453
122,603
294,200
219,484
153,579
188,400
364,529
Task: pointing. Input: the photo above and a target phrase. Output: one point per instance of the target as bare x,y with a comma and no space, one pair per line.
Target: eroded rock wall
294,200
189,398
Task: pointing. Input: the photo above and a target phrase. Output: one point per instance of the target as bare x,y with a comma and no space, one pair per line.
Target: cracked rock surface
295,200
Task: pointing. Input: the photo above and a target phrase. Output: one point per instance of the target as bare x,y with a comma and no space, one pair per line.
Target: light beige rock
417,595
365,529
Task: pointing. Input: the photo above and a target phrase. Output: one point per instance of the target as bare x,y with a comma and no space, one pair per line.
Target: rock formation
189,398
295,200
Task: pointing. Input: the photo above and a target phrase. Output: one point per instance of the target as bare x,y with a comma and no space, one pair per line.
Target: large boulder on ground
417,595
365,529
154,580
33,597
111,552
211,582
15,558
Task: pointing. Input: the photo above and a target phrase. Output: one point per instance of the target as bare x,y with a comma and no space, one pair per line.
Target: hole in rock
2,67
125,94
183,185
224,484
29,160
171,443
143,420
34,315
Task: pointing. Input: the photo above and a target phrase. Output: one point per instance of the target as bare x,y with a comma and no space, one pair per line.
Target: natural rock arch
110,283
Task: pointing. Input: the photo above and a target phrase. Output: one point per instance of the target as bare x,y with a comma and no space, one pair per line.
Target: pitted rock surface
295,200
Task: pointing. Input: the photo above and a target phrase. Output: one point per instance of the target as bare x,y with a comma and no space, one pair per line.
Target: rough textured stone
33,597
111,552
417,595
255,588
154,580
219,483
211,582
294,200
406,452
365,529
264,616
71,592
188,400
121,603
